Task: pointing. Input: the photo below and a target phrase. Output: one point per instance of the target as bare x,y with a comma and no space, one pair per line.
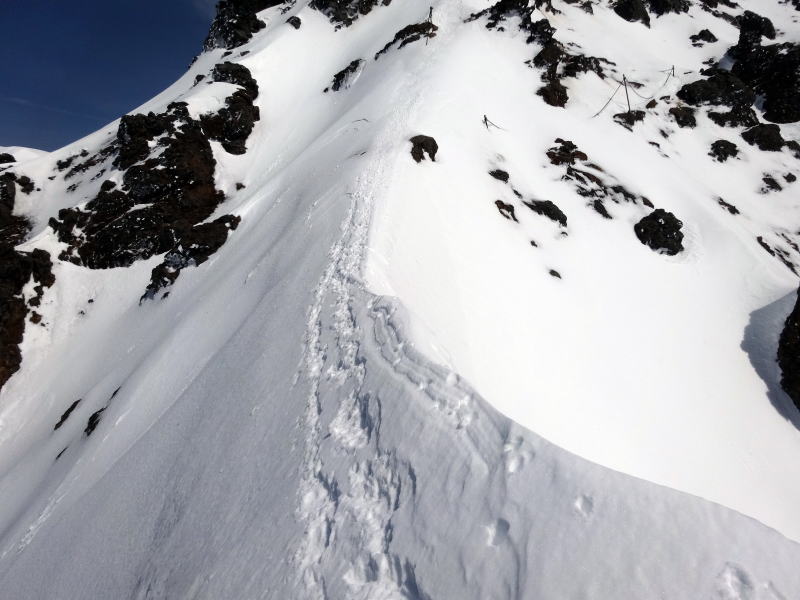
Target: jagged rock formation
409,34
344,78
343,13
167,191
236,22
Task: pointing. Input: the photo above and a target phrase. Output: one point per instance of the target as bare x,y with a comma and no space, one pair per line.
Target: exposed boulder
294,21
722,150
421,145
684,116
789,354
632,11
765,137
660,231
5,158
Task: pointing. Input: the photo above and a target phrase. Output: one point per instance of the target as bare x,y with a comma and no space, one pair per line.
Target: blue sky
69,67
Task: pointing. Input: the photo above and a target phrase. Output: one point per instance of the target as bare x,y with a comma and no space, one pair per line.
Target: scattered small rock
548,209
684,116
729,207
722,150
507,210
554,273
66,414
704,36
500,175
294,21
628,119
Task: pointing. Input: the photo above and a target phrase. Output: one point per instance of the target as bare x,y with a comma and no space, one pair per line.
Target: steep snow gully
304,413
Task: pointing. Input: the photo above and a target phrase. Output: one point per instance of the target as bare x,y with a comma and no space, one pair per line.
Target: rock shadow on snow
760,342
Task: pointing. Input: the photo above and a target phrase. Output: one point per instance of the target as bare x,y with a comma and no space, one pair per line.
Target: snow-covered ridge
311,409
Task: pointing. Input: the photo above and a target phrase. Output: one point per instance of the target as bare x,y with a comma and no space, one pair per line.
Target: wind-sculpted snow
434,271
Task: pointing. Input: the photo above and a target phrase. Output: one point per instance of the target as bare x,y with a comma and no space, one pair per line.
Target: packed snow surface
376,388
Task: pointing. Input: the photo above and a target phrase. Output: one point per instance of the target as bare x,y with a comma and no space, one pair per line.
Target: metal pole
628,100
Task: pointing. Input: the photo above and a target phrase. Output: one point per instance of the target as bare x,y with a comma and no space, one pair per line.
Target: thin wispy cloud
53,109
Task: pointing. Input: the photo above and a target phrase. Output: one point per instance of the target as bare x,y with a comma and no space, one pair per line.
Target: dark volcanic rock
66,415
343,78
16,270
94,421
554,93
722,150
738,116
234,123
6,158
766,137
630,118
167,191
567,153
789,354
548,209
507,210
294,21
660,231
538,31
727,206
684,116
500,174
408,34
343,13
236,74
236,22
422,144
194,248
661,7
773,70
703,36
721,87
632,10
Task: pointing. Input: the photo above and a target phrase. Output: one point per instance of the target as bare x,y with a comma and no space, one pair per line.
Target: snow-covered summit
401,300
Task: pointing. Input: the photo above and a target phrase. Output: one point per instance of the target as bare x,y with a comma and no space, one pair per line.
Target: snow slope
282,426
